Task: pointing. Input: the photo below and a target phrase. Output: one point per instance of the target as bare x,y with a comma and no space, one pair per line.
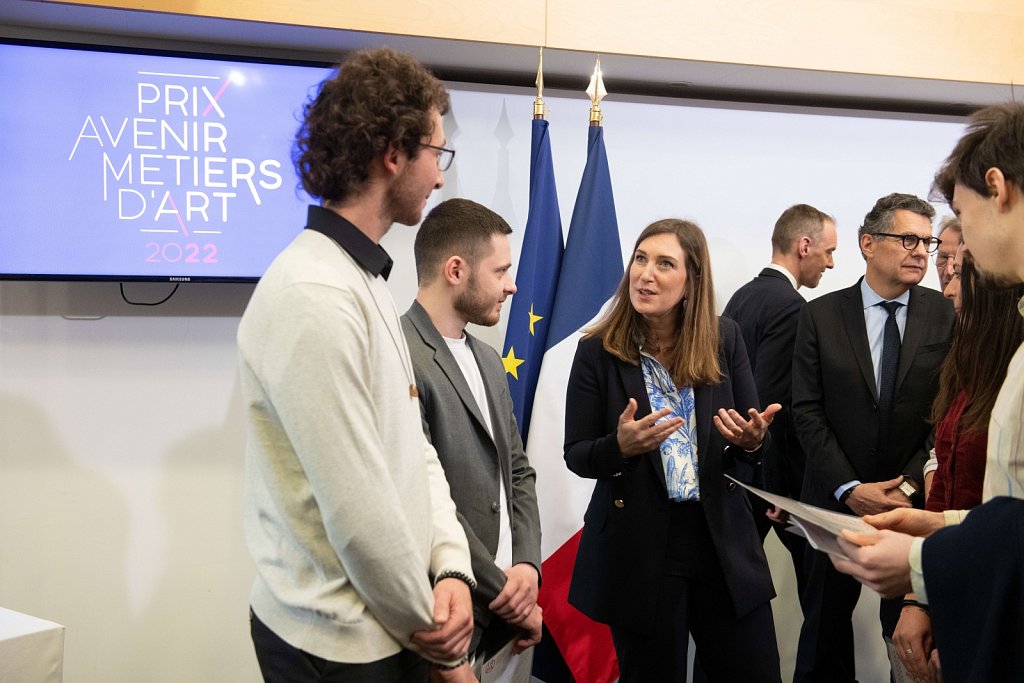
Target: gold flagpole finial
597,93
538,104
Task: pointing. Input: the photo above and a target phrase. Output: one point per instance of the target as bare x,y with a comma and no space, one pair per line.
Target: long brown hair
694,359
987,334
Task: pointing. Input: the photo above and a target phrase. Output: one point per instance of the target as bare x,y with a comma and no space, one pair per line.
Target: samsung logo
179,279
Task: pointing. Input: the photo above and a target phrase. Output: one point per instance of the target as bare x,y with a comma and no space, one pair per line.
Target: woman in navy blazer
669,547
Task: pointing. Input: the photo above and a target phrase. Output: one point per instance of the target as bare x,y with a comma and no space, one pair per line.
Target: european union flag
536,281
592,264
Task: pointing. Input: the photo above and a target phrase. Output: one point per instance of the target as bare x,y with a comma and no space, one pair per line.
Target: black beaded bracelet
455,574
455,665
914,603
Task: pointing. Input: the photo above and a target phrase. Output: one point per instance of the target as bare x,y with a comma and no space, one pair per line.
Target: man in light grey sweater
363,570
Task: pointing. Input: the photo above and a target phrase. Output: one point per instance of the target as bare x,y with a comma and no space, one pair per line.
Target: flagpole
540,261
538,104
591,270
597,93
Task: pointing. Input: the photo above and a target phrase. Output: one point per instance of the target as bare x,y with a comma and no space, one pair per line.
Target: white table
31,649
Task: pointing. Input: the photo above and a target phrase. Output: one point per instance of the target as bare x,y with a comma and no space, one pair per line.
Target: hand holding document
818,525
504,666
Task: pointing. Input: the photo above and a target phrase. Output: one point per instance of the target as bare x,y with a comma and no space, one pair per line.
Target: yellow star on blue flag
533,318
540,260
512,363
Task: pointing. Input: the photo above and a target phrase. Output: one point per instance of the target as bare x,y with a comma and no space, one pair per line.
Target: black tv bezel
152,52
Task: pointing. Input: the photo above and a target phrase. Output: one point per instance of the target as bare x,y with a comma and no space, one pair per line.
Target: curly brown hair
374,98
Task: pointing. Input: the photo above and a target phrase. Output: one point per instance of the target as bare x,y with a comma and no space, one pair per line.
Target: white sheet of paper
819,538
818,525
899,669
505,667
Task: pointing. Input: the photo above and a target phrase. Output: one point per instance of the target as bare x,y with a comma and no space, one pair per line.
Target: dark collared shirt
367,254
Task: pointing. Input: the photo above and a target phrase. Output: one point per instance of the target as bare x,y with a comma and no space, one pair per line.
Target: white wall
121,434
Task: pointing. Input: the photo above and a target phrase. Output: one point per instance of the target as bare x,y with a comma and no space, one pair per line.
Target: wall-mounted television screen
130,166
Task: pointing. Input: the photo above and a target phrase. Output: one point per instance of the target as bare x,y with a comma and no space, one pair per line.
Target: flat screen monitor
146,167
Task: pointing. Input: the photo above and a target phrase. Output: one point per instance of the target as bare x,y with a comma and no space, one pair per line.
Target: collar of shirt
789,275
369,255
1020,306
870,298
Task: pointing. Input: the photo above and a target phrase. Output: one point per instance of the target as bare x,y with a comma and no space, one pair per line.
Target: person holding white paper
977,623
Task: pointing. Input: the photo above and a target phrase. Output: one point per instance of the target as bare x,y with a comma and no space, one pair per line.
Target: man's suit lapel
632,377
918,314
445,360
857,332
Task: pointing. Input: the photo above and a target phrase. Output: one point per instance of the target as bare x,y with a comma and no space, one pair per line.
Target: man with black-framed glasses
910,240
445,156
864,375
363,571
969,570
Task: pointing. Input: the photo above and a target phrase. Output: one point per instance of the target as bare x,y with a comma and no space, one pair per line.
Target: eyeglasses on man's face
942,260
445,156
910,241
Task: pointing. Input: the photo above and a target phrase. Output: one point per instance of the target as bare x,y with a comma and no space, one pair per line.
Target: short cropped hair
374,98
994,139
879,218
455,227
795,222
949,223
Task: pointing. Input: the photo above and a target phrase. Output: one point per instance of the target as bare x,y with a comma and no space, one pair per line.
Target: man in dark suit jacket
865,430
970,574
767,310
463,261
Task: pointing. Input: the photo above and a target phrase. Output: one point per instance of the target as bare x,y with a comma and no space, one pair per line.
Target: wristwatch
907,488
846,493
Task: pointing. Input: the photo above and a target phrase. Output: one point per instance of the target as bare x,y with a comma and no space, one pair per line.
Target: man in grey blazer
462,263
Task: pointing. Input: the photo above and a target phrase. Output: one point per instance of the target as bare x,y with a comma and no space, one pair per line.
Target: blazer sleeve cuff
749,457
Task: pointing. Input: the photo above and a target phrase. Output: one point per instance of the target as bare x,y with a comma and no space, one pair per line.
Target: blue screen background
78,124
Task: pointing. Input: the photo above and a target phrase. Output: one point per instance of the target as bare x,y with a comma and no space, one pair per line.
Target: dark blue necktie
887,374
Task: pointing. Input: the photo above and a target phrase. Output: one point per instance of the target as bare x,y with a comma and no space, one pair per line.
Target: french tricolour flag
590,271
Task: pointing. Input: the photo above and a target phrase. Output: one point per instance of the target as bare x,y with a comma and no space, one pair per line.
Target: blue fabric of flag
591,270
540,261
592,263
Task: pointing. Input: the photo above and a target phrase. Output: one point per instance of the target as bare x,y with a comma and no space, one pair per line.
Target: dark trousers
694,600
283,663
825,653
795,544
